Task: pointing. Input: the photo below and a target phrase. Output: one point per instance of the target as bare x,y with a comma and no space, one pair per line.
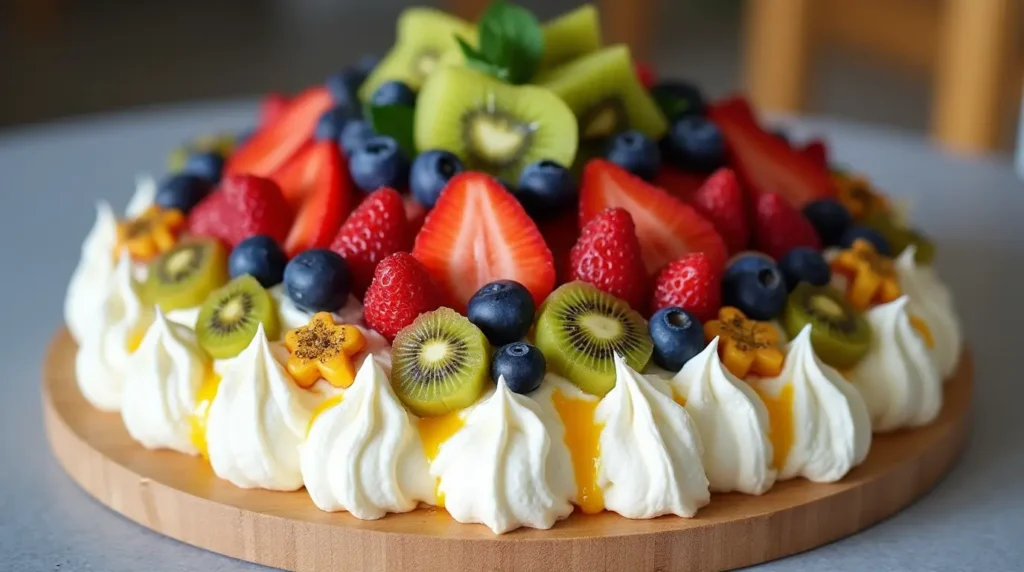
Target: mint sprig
395,121
511,43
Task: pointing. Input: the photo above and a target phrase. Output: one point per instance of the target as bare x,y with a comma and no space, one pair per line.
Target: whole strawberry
243,206
721,200
378,227
693,283
779,227
401,290
607,255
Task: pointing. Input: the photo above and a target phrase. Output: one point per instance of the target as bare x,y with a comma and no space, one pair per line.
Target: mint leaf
478,61
395,121
511,43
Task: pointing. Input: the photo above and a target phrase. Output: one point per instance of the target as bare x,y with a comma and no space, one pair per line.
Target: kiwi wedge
570,36
580,329
493,126
185,275
603,91
230,316
423,37
900,236
439,363
839,333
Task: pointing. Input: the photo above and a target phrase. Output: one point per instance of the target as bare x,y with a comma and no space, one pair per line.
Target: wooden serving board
179,496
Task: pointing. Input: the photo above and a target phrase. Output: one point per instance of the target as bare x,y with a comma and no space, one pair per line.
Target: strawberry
667,227
243,206
678,183
416,214
375,229
816,151
645,73
325,200
401,290
694,283
276,142
766,163
478,233
779,228
271,107
296,175
722,202
607,255
560,233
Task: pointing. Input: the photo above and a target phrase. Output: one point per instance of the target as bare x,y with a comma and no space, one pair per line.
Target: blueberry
430,173
380,162
344,88
876,238
205,164
830,218
755,285
366,64
182,191
317,280
677,337
546,188
503,310
393,93
521,364
678,99
803,264
694,142
354,135
332,122
634,152
261,257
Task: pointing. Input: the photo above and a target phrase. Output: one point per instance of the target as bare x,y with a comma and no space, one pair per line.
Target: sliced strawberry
326,204
645,73
478,233
415,213
765,163
296,175
667,227
678,183
816,151
560,234
275,143
721,200
272,106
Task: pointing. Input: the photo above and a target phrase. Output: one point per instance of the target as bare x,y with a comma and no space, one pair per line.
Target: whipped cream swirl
931,300
898,379
823,425
144,196
95,267
115,326
364,454
161,386
258,419
650,450
732,422
498,469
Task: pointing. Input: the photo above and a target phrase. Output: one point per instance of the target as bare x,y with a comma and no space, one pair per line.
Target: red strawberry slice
275,143
297,174
478,233
816,151
326,203
645,73
721,200
560,234
667,227
272,106
678,183
243,206
375,229
766,163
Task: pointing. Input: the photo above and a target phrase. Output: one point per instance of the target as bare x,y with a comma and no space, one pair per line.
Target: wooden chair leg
975,60
630,22
778,42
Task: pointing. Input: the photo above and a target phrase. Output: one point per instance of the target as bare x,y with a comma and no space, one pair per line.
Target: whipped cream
931,300
650,450
161,386
820,425
898,379
144,197
185,316
258,419
498,469
95,268
115,327
732,422
364,454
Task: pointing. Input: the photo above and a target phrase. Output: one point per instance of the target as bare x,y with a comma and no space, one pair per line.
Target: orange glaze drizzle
780,421
681,400
583,438
324,406
434,431
207,391
922,328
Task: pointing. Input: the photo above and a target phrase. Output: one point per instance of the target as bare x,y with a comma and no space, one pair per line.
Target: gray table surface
50,176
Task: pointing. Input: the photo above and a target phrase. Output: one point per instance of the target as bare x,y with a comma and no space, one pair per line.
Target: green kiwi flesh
570,36
185,275
231,315
839,333
580,329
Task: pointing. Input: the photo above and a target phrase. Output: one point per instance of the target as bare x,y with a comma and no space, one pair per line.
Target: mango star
150,234
322,348
746,346
872,277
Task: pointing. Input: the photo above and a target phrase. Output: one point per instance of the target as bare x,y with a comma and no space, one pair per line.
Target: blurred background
948,68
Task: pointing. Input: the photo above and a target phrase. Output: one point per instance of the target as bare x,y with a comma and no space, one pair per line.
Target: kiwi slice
570,36
231,315
423,38
603,91
493,126
439,363
900,237
839,333
579,331
185,275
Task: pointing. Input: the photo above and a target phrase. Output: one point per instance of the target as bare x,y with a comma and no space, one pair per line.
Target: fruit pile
487,185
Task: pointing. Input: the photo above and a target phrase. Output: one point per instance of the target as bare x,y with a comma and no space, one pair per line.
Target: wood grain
180,497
